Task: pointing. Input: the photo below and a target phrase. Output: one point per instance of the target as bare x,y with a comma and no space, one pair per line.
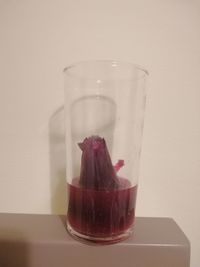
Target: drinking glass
104,115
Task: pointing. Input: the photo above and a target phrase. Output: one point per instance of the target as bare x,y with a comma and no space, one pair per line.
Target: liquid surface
101,213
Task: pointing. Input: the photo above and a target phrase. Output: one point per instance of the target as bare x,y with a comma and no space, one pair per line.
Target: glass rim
112,63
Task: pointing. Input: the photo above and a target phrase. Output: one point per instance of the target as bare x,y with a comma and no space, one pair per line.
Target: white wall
39,38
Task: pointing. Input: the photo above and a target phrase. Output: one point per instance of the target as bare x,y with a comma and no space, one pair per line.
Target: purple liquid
101,213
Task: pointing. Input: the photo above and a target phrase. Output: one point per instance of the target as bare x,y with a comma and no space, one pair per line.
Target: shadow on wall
57,162
14,250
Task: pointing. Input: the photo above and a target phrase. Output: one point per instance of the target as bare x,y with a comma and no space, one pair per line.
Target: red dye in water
101,213
101,204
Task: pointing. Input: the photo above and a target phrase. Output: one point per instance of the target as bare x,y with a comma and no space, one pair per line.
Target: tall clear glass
104,114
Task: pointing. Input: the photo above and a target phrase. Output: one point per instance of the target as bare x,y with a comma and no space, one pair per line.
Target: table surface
51,228
45,239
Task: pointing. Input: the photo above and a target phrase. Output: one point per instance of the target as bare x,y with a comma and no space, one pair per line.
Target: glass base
99,240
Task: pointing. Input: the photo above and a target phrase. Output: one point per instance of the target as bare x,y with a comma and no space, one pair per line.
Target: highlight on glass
104,115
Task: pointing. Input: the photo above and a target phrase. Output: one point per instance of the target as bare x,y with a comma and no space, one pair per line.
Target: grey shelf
42,241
